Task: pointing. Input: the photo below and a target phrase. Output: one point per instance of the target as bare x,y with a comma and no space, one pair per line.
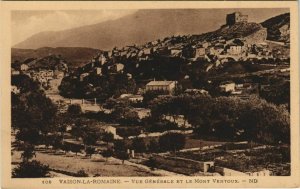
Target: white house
15,72
167,86
15,89
98,71
147,51
227,87
24,67
200,52
117,67
234,50
136,98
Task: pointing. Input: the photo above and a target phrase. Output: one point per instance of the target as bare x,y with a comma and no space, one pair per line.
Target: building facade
167,86
227,87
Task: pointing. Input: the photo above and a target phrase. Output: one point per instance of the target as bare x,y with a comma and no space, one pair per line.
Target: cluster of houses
189,47
215,50
41,73
242,90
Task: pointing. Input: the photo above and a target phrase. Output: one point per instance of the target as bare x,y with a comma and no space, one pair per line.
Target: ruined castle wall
257,37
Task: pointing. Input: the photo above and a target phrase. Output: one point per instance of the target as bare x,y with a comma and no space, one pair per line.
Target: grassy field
113,167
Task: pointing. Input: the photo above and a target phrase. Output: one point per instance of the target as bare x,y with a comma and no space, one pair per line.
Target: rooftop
154,83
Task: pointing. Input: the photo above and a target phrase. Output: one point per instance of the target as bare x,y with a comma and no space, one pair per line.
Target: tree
71,87
172,141
57,141
24,83
75,148
278,93
107,153
78,129
120,109
30,136
121,84
130,117
66,147
28,152
110,103
264,122
104,86
90,138
81,173
150,95
61,121
108,137
123,156
119,145
31,169
90,150
32,112
74,110
151,163
139,145
153,146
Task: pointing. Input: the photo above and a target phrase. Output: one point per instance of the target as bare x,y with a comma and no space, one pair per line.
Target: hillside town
181,105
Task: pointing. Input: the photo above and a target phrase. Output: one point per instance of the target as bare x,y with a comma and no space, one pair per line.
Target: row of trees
95,86
33,117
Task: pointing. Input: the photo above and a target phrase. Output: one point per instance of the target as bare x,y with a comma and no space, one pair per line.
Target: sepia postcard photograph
150,95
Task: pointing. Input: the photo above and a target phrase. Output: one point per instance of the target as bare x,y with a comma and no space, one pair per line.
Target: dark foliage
171,142
30,169
122,155
74,110
81,173
139,145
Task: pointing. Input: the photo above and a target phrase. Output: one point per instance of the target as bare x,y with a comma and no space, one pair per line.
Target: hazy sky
28,23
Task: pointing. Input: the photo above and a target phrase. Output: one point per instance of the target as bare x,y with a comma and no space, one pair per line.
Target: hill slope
74,56
278,28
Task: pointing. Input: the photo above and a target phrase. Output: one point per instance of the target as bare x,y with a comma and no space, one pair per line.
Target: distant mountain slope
74,56
278,28
139,28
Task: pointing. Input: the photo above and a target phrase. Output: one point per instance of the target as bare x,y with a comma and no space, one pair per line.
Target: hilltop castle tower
236,17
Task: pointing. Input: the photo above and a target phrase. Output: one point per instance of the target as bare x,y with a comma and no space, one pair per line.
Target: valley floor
62,164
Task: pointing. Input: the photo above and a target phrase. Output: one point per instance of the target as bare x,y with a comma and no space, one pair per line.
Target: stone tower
236,17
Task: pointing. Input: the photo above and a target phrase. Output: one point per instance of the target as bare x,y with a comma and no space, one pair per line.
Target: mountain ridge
74,56
137,28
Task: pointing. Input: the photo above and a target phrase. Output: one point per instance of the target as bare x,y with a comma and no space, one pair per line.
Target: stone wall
259,36
228,172
181,165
